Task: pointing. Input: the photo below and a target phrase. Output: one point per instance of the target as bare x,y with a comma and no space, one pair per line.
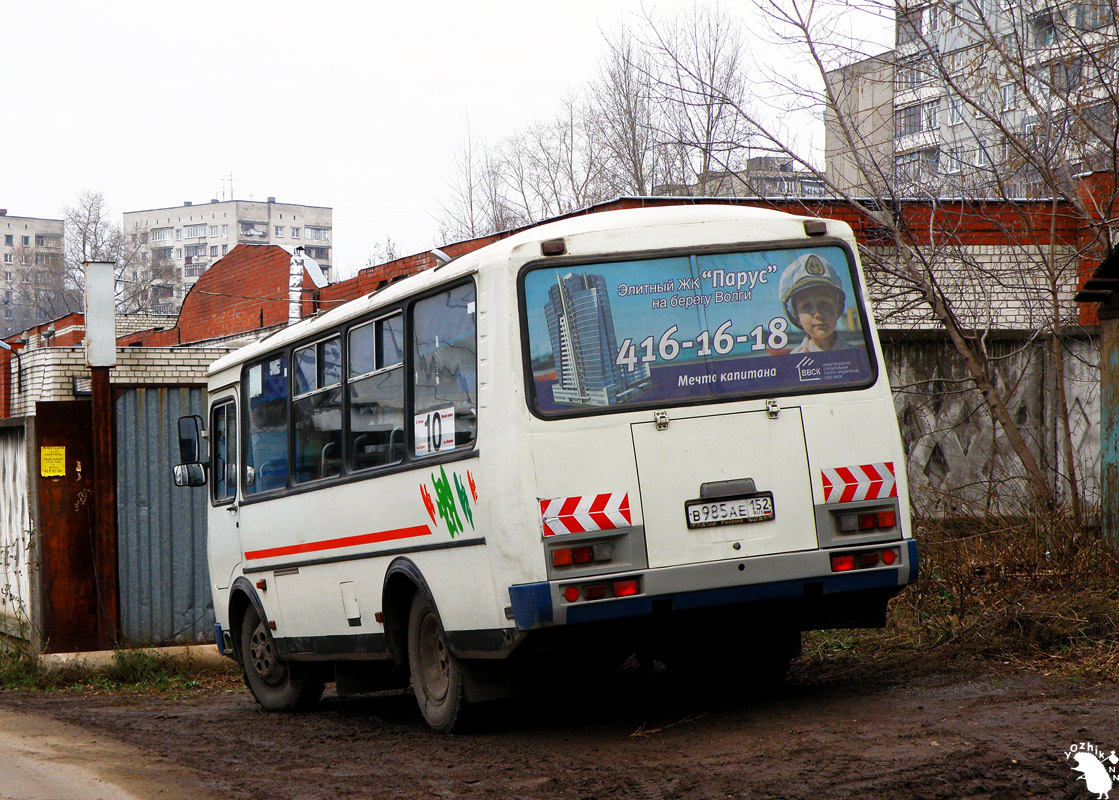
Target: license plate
729,510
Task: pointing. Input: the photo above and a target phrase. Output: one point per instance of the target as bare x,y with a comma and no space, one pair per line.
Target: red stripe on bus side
334,544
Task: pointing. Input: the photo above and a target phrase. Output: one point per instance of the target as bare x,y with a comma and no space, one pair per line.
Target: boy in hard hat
813,300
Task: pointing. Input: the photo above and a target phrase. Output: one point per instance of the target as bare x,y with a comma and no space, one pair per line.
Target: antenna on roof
441,257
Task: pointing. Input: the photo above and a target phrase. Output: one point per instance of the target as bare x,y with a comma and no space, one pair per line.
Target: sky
359,106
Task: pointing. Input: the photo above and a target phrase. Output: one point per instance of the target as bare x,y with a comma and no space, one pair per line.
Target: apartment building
769,177
31,270
983,97
173,246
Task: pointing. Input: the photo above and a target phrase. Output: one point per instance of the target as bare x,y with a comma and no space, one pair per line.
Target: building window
1093,14
9,239
955,111
224,231
317,234
8,259
161,234
214,231
25,241
318,253
295,233
195,251
910,75
1009,95
213,251
195,231
279,231
178,252
161,253
1043,28
224,249
254,229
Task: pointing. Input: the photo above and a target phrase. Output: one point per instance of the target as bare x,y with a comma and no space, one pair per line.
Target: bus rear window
694,328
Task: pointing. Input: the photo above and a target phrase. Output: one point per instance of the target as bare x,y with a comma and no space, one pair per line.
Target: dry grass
1022,592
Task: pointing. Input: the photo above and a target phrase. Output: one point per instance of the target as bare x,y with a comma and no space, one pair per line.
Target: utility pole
101,356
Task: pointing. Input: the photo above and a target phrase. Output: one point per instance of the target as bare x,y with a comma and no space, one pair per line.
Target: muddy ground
985,730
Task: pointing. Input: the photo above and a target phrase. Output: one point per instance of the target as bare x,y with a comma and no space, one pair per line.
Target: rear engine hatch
674,463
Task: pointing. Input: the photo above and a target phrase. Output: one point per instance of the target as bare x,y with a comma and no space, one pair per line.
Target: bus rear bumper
803,579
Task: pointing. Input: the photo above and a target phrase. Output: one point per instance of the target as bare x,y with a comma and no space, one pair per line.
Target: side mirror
191,471
190,474
190,439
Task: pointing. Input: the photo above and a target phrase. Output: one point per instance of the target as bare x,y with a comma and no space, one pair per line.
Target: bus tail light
864,521
624,587
591,553
865,559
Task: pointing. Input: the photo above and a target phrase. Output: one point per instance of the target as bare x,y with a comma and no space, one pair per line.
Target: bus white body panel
647,424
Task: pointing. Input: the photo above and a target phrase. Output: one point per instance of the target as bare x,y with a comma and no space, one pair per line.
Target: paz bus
663,430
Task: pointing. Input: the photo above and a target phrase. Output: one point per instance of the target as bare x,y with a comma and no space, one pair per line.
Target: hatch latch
661,418
772,409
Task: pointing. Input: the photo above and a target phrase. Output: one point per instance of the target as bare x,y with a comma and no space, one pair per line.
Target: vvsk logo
1097,769
807,369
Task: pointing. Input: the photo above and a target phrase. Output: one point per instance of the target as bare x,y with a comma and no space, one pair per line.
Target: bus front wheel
437,675
276,684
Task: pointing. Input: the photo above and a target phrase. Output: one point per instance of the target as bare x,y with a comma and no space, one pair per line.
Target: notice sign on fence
52,462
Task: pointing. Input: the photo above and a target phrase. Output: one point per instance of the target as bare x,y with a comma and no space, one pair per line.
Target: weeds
1023,591
129,669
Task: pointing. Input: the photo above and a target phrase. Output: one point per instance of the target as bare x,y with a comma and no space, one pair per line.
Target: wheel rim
262,655
435,661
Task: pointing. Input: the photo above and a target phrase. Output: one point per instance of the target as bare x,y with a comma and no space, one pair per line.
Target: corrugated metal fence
161,529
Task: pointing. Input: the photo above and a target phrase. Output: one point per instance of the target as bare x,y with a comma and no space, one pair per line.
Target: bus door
724,486
223,535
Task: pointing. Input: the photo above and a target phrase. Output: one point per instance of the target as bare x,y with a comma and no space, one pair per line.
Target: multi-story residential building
31,272
172,246
987,96
764,176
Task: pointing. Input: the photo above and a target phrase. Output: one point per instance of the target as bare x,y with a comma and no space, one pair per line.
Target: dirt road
975,733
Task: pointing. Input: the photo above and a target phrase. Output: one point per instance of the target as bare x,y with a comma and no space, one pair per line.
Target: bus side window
444,349
316,411
375,378
266,446
224,440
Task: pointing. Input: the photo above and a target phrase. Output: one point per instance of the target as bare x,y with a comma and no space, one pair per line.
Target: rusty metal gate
161,529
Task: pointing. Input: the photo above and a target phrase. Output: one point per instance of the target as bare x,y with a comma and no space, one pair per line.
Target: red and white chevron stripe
863,482
591,512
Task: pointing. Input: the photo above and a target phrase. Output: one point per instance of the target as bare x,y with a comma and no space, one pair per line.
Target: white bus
663,430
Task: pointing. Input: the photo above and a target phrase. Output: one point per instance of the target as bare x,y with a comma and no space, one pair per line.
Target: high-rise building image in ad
584,345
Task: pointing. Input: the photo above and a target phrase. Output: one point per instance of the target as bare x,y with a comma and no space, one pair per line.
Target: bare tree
697,79
145,279
921,259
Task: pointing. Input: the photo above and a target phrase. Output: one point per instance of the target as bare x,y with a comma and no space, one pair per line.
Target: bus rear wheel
437,675
276,684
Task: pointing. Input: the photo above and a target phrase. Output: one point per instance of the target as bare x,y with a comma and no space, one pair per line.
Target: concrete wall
959,462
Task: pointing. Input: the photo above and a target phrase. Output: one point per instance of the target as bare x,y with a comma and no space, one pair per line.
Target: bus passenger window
445,356
376,391
316,411
224,439
266,448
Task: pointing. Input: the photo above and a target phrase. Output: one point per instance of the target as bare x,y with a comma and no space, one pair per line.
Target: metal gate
161,529
15,534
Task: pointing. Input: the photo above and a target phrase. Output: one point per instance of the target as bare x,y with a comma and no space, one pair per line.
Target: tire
276,684
437,675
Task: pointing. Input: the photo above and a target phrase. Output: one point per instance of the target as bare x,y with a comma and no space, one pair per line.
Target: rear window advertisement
690,328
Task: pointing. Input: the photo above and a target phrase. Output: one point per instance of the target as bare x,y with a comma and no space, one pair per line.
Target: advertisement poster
693,328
